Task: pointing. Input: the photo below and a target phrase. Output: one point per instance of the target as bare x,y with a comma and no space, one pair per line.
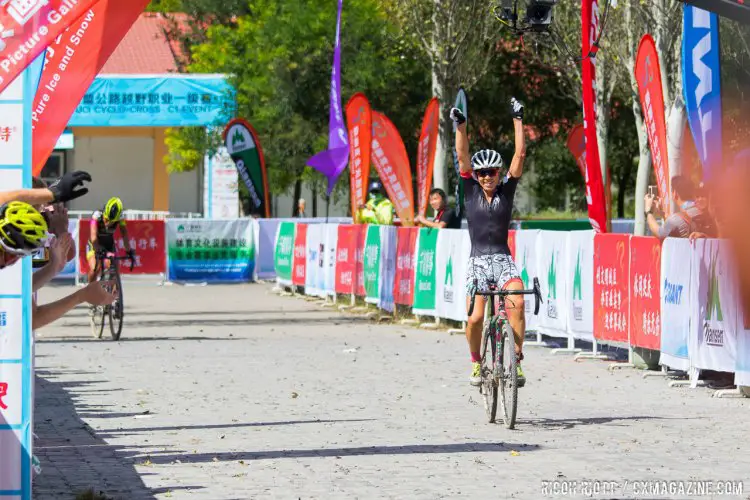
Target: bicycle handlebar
536,292
101,255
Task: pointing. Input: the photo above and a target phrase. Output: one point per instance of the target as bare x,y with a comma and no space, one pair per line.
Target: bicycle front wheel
488,388
509,376
116,310
96,318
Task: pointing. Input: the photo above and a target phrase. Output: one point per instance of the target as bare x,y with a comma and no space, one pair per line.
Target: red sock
475,357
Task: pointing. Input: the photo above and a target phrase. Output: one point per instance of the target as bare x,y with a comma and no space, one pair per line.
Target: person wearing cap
378,209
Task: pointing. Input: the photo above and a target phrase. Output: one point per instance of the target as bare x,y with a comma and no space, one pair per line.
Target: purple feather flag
333,161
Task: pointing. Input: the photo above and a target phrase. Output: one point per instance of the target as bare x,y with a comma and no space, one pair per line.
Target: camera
539,14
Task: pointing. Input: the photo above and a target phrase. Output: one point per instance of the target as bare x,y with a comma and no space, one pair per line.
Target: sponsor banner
146,237
220,189
346,265
283,256
299,260
742,370
611,287
243,146
701,76
526,263
155,101
27,27
551,247
72,62
645,300
714,308
267,249
328,284
359,258
594,183
210,250
580,284
403,286
41,256
675,296
512,243
648,76
577,146
425,273
314,260
388,244
371,264
426,153
453,249
359,119
392,163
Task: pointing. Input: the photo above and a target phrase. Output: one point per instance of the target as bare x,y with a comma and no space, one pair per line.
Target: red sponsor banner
594,184
392,163
346,250
645,297
72,63
426,154
147,238
512,243
406,246
359,120
299,261
648,76
611,285
27,27
577,146
359,258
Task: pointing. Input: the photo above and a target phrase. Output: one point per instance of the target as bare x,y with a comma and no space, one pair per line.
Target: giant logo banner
701,77
453,249
553,277
714,308
675,296
425,273
526,262
645,301
580,284
403,287
283,252
210,250
611,287
146,237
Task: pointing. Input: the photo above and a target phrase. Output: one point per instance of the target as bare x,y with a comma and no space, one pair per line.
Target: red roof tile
144,50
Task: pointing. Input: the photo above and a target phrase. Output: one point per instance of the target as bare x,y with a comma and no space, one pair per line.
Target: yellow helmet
22,228
113,210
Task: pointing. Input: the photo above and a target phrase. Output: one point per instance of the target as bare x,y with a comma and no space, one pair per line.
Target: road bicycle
116,311
498,353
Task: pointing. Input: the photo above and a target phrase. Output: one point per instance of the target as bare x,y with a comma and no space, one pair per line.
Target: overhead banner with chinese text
210,250
392,163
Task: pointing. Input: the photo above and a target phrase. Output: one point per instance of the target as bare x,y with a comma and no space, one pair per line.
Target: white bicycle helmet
486,158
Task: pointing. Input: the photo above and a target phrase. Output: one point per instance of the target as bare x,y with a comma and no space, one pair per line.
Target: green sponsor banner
372,263
425,273
243,146
284,252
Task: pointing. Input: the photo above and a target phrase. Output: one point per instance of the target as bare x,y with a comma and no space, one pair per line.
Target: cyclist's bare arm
94,234
516,164
462,148
124,232
40,196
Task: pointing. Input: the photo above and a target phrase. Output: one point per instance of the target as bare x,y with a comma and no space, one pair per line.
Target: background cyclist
104,224
488,205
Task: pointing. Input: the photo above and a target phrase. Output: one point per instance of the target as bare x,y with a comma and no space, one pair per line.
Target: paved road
231,392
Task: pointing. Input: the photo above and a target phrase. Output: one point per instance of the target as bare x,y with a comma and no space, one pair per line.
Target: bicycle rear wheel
116,310
509,376
488,389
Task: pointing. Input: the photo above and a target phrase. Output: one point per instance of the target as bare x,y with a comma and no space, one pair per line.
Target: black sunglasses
489,172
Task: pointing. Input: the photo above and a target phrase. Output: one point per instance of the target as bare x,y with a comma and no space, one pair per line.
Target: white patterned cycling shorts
498,269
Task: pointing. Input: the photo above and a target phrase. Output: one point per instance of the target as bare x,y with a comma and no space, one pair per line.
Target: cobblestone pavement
232,392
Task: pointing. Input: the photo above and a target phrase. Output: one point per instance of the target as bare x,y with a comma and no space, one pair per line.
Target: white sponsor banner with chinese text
314,266
676,313
329,262
220,187
527,264
453,249
388,244
580,284
714,308
552,271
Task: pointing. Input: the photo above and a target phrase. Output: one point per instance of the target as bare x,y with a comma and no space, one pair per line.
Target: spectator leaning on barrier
378,209
445,217
706,225
681,223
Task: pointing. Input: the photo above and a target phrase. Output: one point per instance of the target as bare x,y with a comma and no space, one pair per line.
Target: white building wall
186,191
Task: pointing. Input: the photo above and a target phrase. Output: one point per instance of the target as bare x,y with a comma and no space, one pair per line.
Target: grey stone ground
231,392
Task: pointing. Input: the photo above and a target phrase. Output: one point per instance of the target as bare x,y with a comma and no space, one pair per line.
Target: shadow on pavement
73,457
569,423
249,321
418,449
124,338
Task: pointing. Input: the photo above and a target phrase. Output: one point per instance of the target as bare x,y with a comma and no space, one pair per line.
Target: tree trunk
644,171
439,174
314,200
675,131
296,197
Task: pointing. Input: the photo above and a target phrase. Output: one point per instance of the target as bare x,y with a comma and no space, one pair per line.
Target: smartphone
652,190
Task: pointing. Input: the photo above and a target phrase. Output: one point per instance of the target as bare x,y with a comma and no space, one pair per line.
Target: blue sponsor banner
155,101
701,77
266,245
388,245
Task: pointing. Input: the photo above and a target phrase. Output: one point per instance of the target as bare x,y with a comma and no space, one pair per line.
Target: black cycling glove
69,186
516,108
458,116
